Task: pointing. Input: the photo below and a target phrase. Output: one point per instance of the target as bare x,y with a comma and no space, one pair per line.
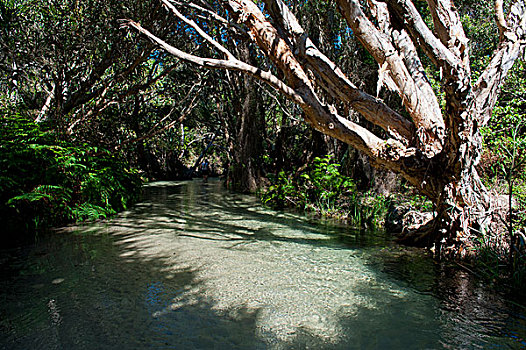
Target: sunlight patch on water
196,267
270,263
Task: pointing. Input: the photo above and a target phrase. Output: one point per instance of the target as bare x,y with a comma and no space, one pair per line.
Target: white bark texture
436,150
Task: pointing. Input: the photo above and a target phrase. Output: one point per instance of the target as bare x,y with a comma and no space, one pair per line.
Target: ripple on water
197,267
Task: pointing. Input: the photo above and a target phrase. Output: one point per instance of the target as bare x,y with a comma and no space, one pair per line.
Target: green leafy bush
47,181
283,192
323,183
323,189
319,187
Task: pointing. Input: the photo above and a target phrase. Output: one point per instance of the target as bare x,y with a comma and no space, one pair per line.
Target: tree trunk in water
464,208
459,218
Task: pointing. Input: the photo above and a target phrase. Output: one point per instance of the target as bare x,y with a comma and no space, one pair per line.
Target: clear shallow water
196,267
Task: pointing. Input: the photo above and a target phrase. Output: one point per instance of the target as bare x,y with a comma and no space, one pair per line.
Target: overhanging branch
416,93
390,153
336,82
487,88
230,64
449,29
439,54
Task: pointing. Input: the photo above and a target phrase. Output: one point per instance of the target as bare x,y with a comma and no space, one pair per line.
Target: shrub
47,181
323,189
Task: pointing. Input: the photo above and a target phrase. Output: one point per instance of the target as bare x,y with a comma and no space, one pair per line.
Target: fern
49,181
43,192
88,211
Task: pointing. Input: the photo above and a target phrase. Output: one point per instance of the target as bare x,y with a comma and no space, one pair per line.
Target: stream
194,266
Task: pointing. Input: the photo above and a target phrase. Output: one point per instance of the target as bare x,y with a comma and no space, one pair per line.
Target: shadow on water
80,293
204,218
197,267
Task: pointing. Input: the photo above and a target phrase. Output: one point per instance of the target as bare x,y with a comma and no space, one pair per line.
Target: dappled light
248,257
196,266
262,174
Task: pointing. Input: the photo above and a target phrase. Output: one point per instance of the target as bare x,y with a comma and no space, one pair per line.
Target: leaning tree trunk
436,150
464,208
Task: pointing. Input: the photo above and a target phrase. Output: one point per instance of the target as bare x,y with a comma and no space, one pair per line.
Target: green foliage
46,181
370,209
420,203
504,156
324,183
282,192
323,189
504,169
318,187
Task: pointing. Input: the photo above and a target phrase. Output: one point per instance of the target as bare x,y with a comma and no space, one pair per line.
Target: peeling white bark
436,151
417,94
335,81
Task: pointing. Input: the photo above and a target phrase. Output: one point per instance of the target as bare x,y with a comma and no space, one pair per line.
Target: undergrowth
46,181
322,189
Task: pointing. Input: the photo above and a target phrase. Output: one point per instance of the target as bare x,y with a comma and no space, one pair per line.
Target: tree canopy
410,87
434,141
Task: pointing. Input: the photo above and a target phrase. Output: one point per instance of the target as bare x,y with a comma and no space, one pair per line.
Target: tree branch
488,85
198,29
154,131
316,114
230,64
437,52
337,83
389,153
449,29
499,17
417,95
213,15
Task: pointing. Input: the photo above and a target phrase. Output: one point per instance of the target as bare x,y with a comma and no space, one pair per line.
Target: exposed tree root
418,235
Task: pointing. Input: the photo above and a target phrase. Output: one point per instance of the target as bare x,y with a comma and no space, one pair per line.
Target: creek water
193,266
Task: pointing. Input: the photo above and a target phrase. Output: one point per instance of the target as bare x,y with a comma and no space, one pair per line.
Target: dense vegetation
322,189
84,101
47,181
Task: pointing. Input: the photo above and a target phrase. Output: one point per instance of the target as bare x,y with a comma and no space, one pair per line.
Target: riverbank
322,191
47,181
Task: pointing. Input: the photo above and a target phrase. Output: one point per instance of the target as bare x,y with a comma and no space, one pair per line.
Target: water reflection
196,267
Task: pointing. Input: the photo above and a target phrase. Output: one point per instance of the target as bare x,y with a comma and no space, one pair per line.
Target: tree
434,148
65,64
65,60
